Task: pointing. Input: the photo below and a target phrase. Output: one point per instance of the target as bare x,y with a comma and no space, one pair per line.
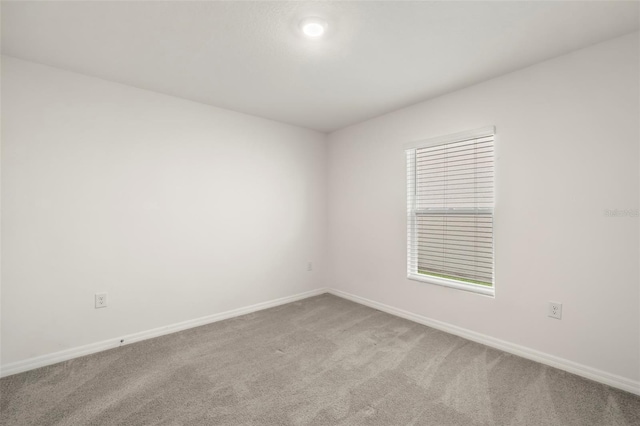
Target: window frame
413,212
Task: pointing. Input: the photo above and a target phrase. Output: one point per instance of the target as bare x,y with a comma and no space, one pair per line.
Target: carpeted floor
320,361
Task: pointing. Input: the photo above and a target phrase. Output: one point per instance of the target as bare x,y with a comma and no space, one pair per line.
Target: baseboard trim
65,355
528,353
596,375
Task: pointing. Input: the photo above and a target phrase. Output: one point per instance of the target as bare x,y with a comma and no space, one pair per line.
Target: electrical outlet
555,310
309,266
101,300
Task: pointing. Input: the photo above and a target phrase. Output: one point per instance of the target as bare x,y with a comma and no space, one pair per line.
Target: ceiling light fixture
313,27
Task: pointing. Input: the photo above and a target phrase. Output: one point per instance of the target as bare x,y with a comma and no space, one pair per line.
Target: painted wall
567,149
177,210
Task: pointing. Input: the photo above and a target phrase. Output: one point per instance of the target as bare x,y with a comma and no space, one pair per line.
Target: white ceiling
250,56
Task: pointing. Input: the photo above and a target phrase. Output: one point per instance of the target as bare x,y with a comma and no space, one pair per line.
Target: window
450,211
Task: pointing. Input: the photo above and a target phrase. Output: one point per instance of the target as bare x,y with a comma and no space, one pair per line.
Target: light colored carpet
320,361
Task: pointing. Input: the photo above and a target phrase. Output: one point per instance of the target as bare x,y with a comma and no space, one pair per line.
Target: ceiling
251,57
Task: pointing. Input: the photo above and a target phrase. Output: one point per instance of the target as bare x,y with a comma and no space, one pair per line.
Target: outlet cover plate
555,310
101,300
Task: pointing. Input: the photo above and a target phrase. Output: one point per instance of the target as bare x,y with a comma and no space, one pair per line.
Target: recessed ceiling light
313,27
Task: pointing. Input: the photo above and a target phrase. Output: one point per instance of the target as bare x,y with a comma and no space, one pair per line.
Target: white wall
176,209
567,149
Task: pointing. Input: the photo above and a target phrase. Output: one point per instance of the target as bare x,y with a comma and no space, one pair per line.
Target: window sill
474,288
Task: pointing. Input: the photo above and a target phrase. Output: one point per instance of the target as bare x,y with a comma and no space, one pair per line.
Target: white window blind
450,198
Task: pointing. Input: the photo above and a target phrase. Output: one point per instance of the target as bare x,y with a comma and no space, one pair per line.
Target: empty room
320,213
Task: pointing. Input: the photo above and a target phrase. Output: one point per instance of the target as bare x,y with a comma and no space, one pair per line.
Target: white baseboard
541,357
56,357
